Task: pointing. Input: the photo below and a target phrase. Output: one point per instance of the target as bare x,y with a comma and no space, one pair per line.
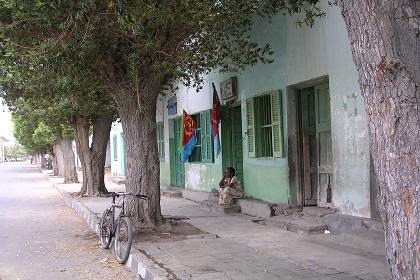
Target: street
41,238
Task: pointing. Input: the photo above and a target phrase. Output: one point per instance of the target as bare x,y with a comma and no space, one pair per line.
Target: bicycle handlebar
117,194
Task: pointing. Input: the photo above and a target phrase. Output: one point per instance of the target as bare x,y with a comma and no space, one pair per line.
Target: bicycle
120,227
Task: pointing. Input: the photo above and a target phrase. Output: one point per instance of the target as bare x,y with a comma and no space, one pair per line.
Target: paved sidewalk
242,250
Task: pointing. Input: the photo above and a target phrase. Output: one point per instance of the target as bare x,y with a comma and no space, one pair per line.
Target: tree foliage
35,129
14,151
133,51
126,40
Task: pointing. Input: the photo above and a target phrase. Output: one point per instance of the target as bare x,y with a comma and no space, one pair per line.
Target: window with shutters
160,141
203,151
114,147
206,137
264,126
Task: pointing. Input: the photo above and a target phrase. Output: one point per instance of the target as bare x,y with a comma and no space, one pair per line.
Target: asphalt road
41,238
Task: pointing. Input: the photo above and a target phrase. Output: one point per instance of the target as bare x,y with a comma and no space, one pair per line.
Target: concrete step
313,211
120,180
338,223
373,224
214,206
298,225
256,208
198,196
171,193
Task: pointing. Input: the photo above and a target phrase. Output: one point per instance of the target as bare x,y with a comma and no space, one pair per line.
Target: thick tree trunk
43,161
81,135
69,165
92,156
35,159
138,118
385,44
55,164
100,138
58,160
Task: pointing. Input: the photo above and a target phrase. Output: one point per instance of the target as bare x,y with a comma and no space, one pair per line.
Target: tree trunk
43,161
36,159
138,118
55,164
58,160
92,156
69,165
384,38
81,135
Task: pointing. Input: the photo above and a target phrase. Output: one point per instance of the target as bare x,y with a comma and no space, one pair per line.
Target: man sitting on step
230,187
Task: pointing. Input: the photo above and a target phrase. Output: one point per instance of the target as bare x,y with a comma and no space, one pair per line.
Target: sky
6,127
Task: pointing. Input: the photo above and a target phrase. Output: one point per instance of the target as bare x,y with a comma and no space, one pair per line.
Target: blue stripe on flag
217,145
188,148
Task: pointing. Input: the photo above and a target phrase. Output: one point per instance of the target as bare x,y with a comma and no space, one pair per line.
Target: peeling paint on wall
202,176
351,191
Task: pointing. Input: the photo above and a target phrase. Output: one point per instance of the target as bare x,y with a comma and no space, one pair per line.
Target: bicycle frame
121,214
119,227
120,206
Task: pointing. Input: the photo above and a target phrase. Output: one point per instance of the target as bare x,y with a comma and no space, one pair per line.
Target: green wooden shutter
250,121
206,137
276,121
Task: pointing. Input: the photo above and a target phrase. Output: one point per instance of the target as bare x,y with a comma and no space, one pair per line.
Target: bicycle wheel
105,229
123,239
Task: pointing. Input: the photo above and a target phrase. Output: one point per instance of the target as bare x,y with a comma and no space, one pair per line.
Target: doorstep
214,206
119,180
198,196
170,192
255,208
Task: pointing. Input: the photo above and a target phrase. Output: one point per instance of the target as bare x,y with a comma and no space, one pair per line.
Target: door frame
174,145
294,147
306,167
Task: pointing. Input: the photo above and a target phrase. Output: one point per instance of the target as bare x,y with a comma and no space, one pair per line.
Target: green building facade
296,132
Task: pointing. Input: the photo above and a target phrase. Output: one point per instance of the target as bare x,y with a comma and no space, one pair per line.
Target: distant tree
15,151
67,91
40,134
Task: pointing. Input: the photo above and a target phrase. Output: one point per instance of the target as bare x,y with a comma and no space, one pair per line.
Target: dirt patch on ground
173,229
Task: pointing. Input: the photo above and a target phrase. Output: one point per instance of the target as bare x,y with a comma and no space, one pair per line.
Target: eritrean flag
216,117
189,137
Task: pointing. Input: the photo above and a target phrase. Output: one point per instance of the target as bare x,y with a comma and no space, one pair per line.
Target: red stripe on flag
188,130
216,112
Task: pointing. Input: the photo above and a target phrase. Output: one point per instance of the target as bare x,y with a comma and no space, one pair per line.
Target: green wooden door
237,142
179,166
316,145
323,131
123,156
309,148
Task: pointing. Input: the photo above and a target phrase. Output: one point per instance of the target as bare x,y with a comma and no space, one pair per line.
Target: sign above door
228,89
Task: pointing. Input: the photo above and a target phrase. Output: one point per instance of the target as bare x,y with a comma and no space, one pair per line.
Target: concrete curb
144,267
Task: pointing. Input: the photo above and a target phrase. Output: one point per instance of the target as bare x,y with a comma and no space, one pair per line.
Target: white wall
116,165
